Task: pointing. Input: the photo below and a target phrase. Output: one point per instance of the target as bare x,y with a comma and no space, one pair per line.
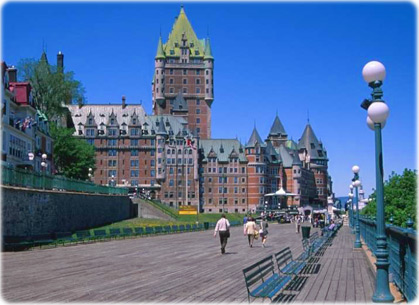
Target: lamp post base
357,244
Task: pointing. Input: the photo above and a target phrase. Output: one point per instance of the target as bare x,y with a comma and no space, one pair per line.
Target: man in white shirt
223,227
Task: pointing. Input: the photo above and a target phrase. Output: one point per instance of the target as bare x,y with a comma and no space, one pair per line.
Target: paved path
185,267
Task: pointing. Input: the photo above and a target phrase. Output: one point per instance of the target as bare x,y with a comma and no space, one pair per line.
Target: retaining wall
27,212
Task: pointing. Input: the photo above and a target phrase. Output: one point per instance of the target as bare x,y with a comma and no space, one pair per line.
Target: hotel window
198,90
198,72
171,81
171,90
198,102
171,71
185,81
206,72
185,72
198,120
198,81
134,152
185,90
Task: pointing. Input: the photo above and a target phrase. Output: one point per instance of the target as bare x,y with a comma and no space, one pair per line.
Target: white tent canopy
280,192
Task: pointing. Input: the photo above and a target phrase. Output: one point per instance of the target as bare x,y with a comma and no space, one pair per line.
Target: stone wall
32,212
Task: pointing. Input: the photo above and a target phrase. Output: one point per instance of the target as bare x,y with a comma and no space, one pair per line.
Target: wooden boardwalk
175,268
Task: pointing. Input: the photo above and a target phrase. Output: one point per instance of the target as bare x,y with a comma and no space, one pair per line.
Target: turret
159,63
209,69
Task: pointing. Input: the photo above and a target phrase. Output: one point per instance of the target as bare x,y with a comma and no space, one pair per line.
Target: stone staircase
146,210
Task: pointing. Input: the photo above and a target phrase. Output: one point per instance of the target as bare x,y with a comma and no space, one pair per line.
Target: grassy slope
182,219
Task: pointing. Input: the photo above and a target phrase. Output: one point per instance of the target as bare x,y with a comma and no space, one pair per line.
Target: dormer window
312,146
90,121
134,121
112,121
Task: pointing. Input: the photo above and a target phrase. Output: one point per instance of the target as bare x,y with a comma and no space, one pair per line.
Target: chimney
60,61
123,102
80,103
12,74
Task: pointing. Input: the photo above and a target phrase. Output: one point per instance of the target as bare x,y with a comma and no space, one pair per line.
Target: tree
51,87
72,156
399,198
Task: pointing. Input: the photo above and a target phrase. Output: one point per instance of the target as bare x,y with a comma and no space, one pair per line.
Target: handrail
402,254
29,179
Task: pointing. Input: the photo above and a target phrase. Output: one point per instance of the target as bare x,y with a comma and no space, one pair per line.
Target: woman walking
263,231
250,230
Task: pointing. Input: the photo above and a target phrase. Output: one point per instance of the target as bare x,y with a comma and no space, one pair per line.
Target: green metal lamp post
374,73
356,183
351,198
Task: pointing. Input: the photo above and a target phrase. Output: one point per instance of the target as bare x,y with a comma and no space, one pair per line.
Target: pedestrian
297,224
244,219
223,229
250,230
263,232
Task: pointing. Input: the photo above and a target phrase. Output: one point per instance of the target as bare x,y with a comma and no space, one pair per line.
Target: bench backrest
258,272
314,236
115,231
83,234
99,232
175,228
158,229
149,230
194,227
283,257
60,235
167,229
306,245
139,230
188,227
127,231
182,228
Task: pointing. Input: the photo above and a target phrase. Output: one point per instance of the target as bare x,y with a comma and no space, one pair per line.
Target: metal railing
28,179
402,253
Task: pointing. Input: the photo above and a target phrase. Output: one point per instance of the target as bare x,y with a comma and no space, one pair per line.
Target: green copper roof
311,144
161,129
291,144
179,104
223,149
208,53
160,52
287,159
255,138
277,127
181,30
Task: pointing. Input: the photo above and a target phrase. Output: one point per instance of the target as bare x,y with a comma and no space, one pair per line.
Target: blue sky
294,58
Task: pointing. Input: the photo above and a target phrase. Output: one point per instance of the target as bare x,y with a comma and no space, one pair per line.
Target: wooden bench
100,234
175,228
84,236
158,230
19,243
115,233
127,232
149,230
138,231
167,229
181,228
262,281
64,237
286,264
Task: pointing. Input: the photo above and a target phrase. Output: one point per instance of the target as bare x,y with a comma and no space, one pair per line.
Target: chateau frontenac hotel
171,155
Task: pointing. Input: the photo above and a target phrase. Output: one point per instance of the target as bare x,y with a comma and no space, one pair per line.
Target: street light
351,218
90,174
356,183
374,73
113,180
44,165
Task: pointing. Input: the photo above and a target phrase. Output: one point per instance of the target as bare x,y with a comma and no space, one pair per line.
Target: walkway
185,267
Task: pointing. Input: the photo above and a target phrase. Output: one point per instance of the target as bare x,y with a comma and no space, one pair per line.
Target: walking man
223,229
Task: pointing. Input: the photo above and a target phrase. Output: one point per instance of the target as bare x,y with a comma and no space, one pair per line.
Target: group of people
250,228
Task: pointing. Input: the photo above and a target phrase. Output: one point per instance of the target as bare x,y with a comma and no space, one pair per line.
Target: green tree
399,198
72,156
51,87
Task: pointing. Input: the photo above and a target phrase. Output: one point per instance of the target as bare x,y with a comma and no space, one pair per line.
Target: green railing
164,208
402,253
29,179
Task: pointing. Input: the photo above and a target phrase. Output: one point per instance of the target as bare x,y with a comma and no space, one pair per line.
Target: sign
187,210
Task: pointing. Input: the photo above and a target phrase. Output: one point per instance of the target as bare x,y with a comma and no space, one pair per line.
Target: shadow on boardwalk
185,267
